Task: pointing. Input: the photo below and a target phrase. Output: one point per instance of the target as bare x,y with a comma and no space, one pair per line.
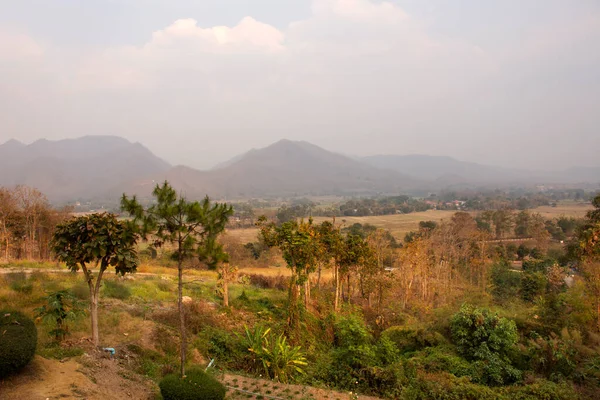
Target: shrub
19,283
195,385
542,390
279,360
554,356
533,284
506,283
409,340
116,290
487,340
18,340
445,386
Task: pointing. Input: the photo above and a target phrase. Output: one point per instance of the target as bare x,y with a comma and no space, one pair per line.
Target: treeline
27,222
519,199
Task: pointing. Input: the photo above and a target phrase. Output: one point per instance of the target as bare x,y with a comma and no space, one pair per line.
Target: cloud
19,46
356,75
247,36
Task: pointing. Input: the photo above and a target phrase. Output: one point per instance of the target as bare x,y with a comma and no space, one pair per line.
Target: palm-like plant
61,308
278,359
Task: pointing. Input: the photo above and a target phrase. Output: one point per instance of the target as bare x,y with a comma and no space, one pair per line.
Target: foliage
505,283
412,339
196,384
192,226
487,340
60,308
116,290
99,239
18,341
279,360
19,283
554,356
533,284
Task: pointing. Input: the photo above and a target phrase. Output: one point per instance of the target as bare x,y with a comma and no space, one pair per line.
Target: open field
400,224
567,209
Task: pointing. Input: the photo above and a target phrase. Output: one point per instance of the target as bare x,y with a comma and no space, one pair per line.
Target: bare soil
91,376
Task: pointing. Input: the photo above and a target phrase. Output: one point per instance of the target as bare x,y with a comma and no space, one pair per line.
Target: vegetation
451,313
101,240
18,341
195,385
61,307
192,227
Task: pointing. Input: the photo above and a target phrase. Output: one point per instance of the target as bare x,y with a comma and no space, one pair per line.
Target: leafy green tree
298,244
585,249
487,340
191,226
100,240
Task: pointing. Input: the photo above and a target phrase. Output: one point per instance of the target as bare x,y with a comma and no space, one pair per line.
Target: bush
533,284
483,337
196,385
18,340
116,290
408,340
19,283
505,283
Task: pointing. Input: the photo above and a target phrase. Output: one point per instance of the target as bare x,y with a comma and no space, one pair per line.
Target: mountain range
103,167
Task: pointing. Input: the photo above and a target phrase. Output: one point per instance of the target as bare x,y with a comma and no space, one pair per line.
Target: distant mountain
69,169
286,168
442,169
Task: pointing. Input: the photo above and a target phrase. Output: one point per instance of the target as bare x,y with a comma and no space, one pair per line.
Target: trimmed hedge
196,385
18,340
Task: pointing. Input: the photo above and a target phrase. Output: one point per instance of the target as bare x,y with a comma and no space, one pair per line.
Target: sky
511,83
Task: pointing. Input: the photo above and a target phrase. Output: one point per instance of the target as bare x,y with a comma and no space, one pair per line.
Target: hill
285,168
443,169
71,169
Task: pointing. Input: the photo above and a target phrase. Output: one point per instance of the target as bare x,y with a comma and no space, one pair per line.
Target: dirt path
89,378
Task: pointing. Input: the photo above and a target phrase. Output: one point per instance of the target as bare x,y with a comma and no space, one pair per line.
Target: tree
60,308
585,248
191,226
298,244
8,211
100,240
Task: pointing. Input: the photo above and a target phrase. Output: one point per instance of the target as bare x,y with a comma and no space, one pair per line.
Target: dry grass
567,209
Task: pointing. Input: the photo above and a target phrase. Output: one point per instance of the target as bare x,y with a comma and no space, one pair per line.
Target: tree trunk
307,293
336,301
94,316
181,313
225,292
598,309
319,277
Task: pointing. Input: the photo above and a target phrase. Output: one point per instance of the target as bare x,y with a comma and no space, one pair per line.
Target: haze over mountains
103,167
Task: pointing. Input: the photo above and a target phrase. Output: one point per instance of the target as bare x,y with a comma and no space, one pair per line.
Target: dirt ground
91,377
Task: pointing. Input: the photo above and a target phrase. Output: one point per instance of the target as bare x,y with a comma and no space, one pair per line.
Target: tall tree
191,226
298,244
585,248
98,240
8,212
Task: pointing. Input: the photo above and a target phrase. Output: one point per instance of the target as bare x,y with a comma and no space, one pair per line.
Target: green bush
487,340
116,290
408,340
505,283
196,385
542,390
19,283
533,284
445,386
18,340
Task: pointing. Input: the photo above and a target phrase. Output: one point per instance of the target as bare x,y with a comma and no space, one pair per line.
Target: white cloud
19,46
362,74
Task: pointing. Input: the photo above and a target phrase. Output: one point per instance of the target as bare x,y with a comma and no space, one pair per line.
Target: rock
186,299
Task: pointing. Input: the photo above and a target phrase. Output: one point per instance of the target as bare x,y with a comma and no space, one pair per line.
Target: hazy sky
506,82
